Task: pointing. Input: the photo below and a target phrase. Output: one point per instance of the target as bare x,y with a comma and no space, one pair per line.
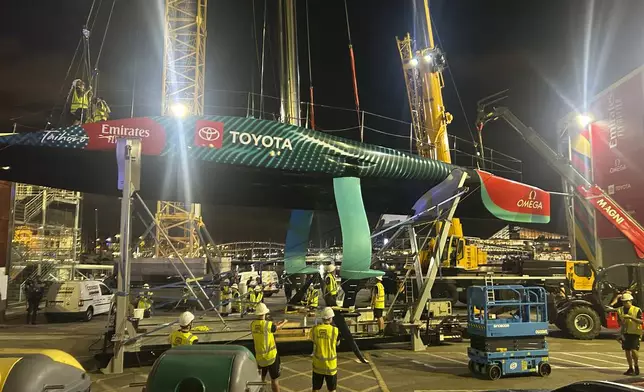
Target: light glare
178,109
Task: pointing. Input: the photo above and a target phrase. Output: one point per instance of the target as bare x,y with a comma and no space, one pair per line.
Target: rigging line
308,47
353,65
458,94
62,86
89,15
107,26
261,75
98,10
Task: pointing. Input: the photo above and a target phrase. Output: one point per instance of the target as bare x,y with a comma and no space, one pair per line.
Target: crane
184,66
593,194
424,80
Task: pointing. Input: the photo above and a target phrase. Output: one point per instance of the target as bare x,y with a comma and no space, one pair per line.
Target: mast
289,68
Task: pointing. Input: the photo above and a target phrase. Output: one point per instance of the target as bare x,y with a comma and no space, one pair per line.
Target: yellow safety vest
378,300
312,297
101,112
236,301
79,101
145,302
181,338
264,340
630,326
259,296
325,340
224,294
331,285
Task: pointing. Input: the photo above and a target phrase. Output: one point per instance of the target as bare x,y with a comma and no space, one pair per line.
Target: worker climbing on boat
378,303
330,286
79,106
268,360
325,357
183,336
100,110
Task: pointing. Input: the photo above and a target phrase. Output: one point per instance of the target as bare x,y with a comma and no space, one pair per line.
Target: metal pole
95,229
362,127
261,71
123,279
76,226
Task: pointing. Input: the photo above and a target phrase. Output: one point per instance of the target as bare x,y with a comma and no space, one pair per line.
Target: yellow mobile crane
423,71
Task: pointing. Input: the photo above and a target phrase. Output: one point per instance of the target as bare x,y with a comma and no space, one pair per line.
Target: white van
77,298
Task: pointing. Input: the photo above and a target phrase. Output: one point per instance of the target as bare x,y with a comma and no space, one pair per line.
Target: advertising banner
514,201
617,142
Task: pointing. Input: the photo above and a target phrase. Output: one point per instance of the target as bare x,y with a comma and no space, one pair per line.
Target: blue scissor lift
507,327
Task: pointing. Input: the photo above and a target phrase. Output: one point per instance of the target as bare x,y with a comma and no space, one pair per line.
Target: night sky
552,55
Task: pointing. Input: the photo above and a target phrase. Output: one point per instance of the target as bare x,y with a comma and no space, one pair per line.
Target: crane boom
592,193
424,81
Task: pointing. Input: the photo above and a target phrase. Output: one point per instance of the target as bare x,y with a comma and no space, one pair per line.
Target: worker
330,286
145,301
259,294
325,362
630,320
288,286
236,299
312,296
35,291
224,298
80,101
183,336
251,297
378,303
100,110
268,361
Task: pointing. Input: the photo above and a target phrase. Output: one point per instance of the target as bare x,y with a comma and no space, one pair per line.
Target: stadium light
178,109
584,120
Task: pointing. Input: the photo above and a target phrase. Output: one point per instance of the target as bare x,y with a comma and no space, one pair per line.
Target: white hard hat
627,297
258,288
186,318
146,286
261,309
379,277
327,313
226,281
329,267
234,286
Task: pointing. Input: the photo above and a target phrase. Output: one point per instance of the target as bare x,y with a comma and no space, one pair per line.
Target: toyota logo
209,134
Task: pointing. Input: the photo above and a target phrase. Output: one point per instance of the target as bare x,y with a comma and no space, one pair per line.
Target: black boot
629,372
637,370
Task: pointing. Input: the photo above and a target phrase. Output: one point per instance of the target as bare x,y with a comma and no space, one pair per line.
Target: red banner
617,141
615,215
514,201
103,135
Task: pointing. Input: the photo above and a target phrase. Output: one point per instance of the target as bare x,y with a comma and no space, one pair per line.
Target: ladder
489,288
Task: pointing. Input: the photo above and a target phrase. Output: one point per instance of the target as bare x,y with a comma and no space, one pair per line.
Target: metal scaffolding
184,67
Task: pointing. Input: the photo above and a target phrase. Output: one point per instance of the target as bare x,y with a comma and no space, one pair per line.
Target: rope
308,47
107,26
353,64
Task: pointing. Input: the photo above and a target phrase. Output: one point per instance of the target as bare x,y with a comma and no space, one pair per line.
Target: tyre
472,366
544,369
582,322
493,372
89,314
446,291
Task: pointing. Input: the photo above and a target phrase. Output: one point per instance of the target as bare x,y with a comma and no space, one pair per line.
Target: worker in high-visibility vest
330,286
224,298
378,303
145,301
250,306
325,362
268,361
79,106
100,110
183,336
313,296
630,319
236,299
